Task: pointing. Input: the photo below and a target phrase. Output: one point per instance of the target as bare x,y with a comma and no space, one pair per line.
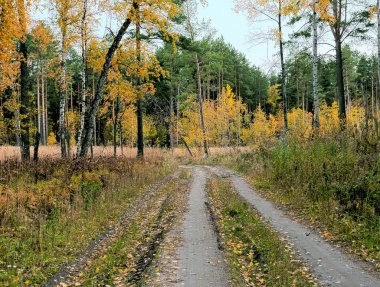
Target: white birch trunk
38,105
43,125
84,75
315,67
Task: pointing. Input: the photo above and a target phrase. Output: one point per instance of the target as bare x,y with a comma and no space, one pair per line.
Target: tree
66,18
345,19
315,66
272,11
24,82
154,17
84,43
190,11
40,49
91,112
139,104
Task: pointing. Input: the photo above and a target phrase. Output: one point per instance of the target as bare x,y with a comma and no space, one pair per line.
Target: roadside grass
257,255
328,185
45,224
126,262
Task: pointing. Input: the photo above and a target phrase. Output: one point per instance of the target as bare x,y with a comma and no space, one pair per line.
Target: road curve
330,265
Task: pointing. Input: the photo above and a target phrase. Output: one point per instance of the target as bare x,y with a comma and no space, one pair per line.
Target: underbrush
333,183
51,210
128,260
257,254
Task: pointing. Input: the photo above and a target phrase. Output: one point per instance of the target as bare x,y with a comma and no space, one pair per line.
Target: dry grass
53,151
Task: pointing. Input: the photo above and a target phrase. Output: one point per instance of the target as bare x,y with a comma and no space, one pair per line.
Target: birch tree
84,42
66,17
315,65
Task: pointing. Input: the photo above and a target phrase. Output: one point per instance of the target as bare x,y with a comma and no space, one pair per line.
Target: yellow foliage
72,119
273,95
262,130
300,124
52,139
223,119
328,118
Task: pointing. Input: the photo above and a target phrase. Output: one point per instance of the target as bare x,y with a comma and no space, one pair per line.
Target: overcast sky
235,29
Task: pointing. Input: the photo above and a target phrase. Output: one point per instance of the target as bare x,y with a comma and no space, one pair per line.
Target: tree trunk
91,112
43,128
36,146
95,139
115,122
24,82
373,98
171,132
62,100
18,128
205,147
39,122
340,83
121,137
24,98
140,127
177,119
348,95
139,111
84,75
366,108
315,67
46,113
283,76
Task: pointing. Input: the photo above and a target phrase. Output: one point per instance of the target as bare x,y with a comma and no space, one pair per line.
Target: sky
236,29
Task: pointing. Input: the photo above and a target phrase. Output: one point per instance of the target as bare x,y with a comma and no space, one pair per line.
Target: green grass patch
258,256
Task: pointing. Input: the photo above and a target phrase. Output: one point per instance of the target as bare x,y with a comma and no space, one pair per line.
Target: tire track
72,269
331,266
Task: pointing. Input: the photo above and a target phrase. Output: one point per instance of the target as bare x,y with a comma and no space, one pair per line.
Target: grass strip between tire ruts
257,255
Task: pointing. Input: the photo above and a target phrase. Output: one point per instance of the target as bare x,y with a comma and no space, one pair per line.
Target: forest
133,137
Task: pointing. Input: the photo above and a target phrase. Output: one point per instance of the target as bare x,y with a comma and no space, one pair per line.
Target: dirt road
189,253
200,261
197,259
331,266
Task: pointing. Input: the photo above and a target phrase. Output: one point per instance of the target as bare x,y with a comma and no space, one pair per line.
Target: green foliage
90,188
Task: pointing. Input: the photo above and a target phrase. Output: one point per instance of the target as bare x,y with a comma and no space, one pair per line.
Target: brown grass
53,151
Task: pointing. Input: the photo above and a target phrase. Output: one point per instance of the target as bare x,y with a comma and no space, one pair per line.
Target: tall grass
53,152
50,210
333,182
